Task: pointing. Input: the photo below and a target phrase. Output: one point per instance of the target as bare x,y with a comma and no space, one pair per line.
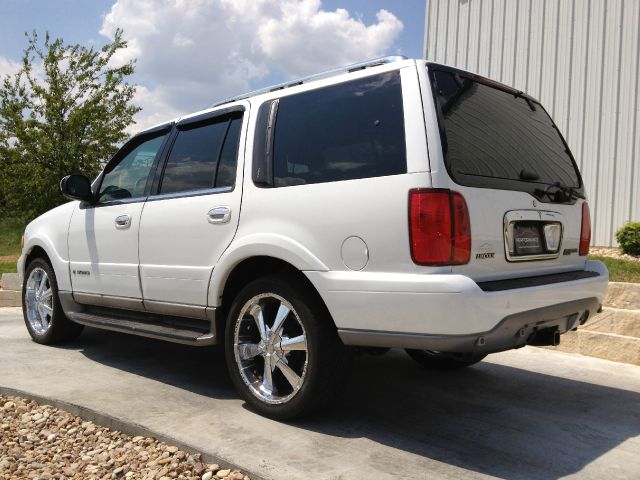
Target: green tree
65,111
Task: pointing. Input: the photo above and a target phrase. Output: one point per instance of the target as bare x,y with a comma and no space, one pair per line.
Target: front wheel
43,315
444,360
283,352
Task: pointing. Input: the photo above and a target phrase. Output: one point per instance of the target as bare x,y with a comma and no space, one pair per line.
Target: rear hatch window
497,137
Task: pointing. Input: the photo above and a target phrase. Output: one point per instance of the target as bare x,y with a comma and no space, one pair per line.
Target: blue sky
190,55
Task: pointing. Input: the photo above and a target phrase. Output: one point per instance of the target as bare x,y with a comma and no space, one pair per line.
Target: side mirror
76,187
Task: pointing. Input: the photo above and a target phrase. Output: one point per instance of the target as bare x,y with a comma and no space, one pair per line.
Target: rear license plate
527,239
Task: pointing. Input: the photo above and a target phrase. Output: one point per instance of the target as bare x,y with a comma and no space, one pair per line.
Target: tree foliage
65,111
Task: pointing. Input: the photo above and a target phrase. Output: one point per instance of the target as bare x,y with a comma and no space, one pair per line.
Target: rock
68,472
39,442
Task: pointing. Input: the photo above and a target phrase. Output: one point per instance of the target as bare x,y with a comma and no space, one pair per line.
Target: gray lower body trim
140,305
513,331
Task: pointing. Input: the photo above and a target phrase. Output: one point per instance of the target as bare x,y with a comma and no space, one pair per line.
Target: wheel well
36,252
251,269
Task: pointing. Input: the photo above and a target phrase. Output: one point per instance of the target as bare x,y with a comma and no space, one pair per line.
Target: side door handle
219,215
123,221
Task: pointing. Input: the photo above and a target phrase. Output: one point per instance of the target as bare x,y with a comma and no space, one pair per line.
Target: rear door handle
123,221
219,215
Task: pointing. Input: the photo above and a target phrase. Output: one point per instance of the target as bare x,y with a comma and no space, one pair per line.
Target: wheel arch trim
59,264
275,246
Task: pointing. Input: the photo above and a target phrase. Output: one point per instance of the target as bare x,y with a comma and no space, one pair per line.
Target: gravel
41,442
613,252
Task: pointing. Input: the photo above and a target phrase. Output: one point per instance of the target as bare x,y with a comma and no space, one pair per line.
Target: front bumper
451,312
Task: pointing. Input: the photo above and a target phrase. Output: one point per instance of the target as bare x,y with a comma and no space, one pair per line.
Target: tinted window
201,158
128,177
492,136
342,132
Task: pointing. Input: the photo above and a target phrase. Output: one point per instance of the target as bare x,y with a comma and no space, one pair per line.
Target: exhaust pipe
546,337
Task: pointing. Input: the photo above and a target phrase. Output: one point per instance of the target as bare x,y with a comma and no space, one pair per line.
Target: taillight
585,230
439,227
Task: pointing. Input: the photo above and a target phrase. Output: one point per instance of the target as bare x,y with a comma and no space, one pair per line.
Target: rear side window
341,132
203,156
499,139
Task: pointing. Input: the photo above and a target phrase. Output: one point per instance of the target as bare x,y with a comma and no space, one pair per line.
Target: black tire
327,359
444,360
60,328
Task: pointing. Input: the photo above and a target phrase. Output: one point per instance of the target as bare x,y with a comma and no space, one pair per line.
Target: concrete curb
10,298
607,346
11,281
623,295
128,428
617,321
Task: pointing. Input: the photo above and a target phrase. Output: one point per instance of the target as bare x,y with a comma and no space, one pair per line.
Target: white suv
393,203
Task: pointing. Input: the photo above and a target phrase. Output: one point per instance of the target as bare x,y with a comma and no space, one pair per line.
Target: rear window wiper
557,192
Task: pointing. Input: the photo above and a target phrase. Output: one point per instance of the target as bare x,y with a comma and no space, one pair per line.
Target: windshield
494,138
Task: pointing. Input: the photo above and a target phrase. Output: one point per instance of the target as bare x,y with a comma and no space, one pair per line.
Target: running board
161,327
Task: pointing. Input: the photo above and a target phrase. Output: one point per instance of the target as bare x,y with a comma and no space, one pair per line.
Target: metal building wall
581,59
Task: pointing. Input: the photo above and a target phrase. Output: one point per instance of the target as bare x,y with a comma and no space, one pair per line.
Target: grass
620,270
10,267
10,233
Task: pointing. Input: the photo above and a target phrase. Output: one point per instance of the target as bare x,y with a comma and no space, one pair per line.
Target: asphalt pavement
525,414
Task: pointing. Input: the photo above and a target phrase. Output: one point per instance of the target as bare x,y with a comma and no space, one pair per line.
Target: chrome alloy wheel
38,300
270,348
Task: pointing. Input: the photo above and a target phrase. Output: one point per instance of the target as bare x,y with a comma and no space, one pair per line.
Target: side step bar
144,329
187,331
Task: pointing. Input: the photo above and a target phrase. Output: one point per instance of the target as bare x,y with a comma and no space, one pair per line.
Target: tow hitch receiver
545,337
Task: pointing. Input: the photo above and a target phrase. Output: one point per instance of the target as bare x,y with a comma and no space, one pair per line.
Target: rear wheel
444,360
283,352
43,315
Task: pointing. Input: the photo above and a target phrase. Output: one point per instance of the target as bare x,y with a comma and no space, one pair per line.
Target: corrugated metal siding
581,59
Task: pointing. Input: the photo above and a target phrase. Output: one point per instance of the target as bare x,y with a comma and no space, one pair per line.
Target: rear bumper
452,312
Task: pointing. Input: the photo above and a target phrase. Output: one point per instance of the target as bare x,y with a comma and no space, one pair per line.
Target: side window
128,177
203,156
341,132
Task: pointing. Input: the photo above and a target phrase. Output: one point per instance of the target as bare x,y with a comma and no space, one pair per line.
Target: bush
629,238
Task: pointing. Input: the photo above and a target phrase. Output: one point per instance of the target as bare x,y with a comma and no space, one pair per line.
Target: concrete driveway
530,414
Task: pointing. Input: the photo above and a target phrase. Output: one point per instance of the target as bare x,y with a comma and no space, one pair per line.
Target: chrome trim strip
176,309
124,303
545,217
191,193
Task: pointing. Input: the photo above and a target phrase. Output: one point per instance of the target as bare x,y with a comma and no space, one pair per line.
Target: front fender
260,245
49,232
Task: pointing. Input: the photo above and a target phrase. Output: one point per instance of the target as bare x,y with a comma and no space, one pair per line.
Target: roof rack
311,78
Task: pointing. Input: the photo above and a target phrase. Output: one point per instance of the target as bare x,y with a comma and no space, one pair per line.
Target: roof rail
329,73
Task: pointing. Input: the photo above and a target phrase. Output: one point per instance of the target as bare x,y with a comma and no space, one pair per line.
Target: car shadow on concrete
200,370
492,419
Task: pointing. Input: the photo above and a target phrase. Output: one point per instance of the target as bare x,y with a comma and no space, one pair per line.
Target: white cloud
192,52
8,67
